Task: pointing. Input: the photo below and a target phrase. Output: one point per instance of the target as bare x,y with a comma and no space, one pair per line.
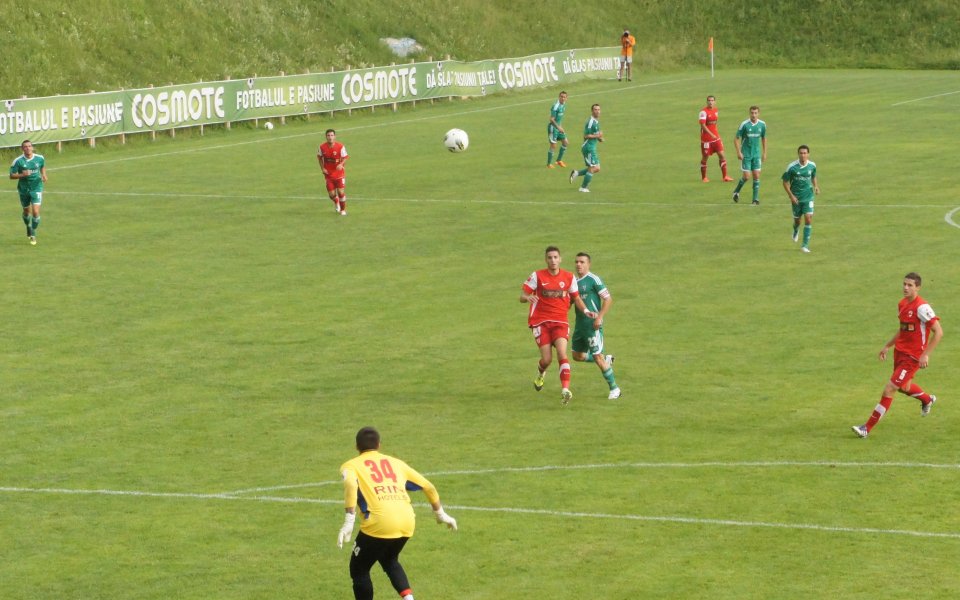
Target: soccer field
192,345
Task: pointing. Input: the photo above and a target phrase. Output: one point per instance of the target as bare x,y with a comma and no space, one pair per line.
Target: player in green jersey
800,182
588,332
31,172
555,132
592,135
751,143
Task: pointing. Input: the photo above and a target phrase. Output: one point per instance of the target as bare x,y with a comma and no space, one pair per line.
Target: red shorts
547,333
904,368
336,183
708,148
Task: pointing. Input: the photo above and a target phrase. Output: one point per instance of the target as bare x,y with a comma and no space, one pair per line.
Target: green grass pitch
196,338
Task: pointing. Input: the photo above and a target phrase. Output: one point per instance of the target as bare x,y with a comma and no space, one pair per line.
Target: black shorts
368,550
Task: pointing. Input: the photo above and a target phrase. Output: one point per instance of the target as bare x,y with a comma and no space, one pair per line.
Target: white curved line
949,217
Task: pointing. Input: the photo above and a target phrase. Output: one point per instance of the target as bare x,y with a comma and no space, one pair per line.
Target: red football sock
343,203
917,393
723,167
565,374
703,168
878,412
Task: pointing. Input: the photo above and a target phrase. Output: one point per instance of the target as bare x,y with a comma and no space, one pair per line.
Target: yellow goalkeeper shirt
377,485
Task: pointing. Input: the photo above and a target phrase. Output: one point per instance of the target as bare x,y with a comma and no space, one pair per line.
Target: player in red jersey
919,334
550,292
332,155
710,142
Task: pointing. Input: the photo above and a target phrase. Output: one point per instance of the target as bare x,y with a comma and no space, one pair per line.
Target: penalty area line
721,522
505,510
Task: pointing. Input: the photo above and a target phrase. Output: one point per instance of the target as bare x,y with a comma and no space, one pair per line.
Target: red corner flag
710,47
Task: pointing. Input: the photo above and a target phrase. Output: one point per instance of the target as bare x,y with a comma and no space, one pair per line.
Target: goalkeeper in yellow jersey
377,485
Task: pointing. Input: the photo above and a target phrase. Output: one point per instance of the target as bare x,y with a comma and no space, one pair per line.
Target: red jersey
916,317
708,117
332,158
553,292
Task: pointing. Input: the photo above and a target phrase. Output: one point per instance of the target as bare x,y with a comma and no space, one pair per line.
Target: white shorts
626,60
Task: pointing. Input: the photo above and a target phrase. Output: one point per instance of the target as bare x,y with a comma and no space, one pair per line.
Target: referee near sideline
377,484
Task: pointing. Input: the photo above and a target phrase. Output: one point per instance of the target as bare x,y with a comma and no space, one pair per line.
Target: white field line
724,522
355,197
509,510
635,465
277,138
926,98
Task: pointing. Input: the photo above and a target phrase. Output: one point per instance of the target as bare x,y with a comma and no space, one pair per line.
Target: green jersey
592,127
33,182
556,114
592,291
801,179
751,135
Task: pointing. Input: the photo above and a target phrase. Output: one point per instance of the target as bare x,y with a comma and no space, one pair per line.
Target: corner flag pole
710,47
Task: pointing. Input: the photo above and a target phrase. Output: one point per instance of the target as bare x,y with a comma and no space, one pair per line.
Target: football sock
723,167
336,202
756,190
739,186
796,228
406,594
564,373
582,172
563,150
549,157
34,224
807,230
343,203
878,412
587,179
917,392
703,168
26,221
608,375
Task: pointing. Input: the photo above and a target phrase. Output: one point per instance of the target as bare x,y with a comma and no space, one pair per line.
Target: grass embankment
81,45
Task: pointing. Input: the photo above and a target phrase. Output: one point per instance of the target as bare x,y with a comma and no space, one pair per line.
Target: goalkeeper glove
445,519
347,530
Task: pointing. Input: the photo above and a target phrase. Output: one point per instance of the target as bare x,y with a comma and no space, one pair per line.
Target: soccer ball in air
268,126
456,140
